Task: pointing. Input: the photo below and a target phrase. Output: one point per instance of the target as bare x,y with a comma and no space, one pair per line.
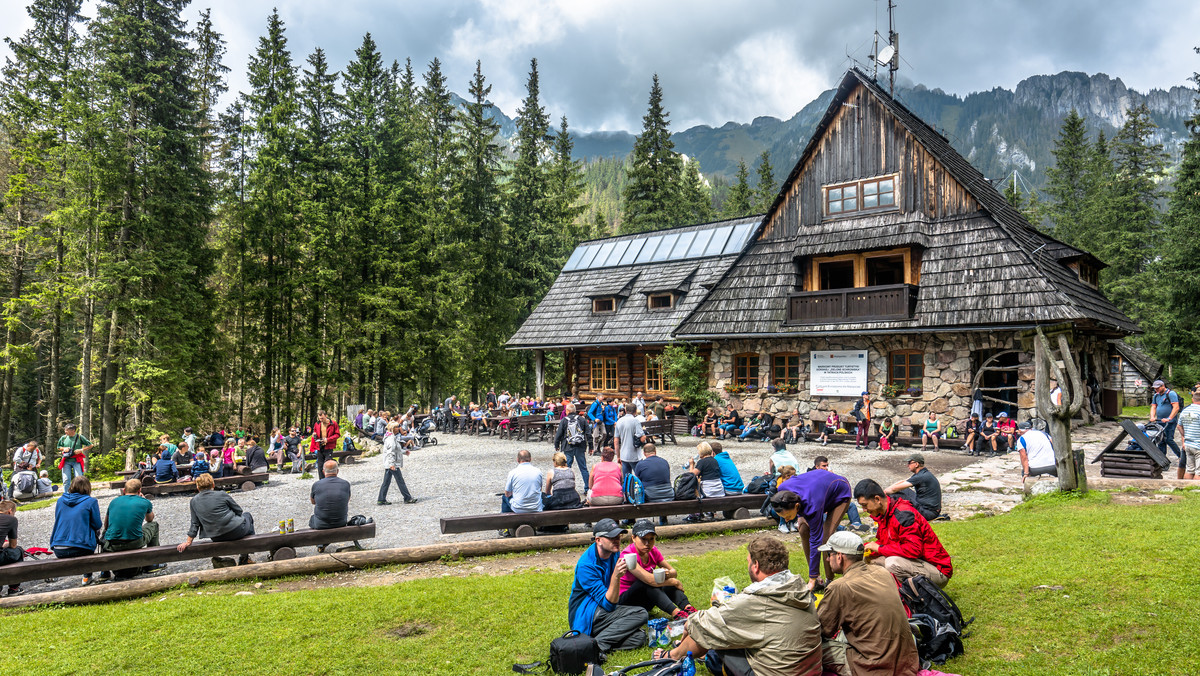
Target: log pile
1134,464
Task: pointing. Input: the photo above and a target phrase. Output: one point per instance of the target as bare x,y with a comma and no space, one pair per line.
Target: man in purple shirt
822,498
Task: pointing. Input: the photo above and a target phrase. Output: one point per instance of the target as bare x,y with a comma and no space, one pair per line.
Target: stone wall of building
946,385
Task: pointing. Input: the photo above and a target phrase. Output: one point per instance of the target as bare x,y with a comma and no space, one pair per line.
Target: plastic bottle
688,668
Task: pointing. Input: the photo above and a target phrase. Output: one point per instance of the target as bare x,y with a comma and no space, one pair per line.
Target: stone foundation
946,380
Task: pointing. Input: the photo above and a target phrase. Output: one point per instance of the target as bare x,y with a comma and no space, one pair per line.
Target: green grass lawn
1128,606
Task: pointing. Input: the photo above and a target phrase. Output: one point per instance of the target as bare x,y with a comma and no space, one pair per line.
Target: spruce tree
1070,182
766,190
740,201
651,199
695,196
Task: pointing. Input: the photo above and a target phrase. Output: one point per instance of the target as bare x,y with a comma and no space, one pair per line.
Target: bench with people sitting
535,501
245,482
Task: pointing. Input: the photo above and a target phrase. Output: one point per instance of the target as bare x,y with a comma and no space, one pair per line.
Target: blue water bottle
688,668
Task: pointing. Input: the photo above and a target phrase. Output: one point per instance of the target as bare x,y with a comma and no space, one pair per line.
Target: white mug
631,560
660,575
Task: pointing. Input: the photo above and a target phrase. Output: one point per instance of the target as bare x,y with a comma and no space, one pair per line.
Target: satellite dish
885,55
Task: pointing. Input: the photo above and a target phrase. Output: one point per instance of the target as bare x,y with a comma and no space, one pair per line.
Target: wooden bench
734,507
282,546
873,440
245,482
660,429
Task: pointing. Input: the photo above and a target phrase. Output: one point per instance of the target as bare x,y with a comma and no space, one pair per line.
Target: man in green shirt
129,524
72,448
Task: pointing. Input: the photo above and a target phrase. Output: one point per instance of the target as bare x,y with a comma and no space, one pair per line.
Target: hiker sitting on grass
218,517
592,608
863,623
641,585
906,545
769,629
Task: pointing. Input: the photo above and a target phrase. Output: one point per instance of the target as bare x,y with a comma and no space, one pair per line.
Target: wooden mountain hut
887,264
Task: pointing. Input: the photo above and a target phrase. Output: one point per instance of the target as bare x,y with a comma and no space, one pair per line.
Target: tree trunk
108,384
1071,469
10,335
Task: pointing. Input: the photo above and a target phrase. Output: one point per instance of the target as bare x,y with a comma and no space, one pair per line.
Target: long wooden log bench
524,525
246,482
282,546
344,457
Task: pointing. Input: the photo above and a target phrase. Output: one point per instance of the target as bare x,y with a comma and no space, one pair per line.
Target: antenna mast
894,41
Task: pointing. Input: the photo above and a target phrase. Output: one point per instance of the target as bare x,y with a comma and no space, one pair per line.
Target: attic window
660,301
857,196
1088,275
606,305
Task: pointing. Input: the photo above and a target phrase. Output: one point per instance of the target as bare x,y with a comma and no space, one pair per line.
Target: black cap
785,498
643,528
606,528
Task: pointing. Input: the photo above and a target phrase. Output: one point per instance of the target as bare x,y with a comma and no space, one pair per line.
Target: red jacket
904,532
330,433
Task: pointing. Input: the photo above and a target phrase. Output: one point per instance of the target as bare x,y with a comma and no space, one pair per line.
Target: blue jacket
595,412
592,575
76,520
610,415
730,477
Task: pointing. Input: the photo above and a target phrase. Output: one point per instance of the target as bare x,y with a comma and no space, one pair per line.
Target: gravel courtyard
461,475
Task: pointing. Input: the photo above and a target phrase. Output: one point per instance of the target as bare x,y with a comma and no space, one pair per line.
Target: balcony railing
890,302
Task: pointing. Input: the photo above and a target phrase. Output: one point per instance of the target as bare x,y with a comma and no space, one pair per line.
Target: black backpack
758,484
936,641
923,597
687,487
572,652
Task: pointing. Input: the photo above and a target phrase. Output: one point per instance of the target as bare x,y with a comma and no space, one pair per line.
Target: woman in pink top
605,484
227,458
638,586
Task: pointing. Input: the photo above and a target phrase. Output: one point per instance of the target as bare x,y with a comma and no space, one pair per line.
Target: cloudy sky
718,61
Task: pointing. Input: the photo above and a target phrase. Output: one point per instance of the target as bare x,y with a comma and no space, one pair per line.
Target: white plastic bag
723,589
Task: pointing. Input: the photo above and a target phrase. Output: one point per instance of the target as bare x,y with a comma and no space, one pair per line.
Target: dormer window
606,305
858,196
1088,275
660,301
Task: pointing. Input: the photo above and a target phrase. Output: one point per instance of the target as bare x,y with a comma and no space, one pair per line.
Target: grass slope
1125,608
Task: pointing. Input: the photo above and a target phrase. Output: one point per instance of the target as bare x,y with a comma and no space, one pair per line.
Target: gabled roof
1148,366
1026,281
686,261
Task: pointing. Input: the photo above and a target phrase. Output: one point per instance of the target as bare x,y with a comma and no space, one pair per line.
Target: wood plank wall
631,368
865,141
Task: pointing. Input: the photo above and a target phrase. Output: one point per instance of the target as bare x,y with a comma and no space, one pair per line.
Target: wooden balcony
872,303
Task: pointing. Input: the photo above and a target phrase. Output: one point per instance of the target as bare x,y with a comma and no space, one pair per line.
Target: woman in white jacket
393,460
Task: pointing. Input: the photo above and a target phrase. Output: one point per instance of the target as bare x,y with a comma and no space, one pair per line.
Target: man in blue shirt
595,416
592,608
730,477
1164,410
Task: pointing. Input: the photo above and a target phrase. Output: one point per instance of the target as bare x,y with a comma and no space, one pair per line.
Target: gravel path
460,476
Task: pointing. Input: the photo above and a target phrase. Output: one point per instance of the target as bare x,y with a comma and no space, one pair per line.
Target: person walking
325,435
1164,410
393,462
574,439
72,449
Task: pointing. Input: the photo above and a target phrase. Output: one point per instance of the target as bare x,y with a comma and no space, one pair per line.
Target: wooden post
1071,469
539,365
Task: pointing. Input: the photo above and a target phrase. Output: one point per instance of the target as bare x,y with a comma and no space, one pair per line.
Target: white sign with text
838,373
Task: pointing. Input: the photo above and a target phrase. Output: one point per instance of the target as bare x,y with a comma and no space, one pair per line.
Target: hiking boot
87,579
223,562
156,568
505,533
106,575
689,609
693,518
14,590
783,528
244,559
410,501
382,502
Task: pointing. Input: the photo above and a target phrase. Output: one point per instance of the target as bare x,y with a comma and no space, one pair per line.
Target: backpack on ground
936,641
758,484
923,597
574,431
635,492
25,482
572,652
687,487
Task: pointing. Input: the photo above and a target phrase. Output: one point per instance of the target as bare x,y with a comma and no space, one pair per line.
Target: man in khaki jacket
862,617
771,625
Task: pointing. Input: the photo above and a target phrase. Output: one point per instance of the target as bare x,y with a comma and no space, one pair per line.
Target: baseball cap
865,393
1003,414
1026,425
843,542
1159,383
917,458
606,528
643,528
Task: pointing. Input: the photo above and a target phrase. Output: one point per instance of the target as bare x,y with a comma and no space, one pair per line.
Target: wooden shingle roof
989,268
564,317
1148,366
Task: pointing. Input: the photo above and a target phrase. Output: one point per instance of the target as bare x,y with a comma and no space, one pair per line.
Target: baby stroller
1154,432
423,433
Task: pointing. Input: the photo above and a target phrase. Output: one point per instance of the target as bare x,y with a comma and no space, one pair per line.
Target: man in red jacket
905,545
325,436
